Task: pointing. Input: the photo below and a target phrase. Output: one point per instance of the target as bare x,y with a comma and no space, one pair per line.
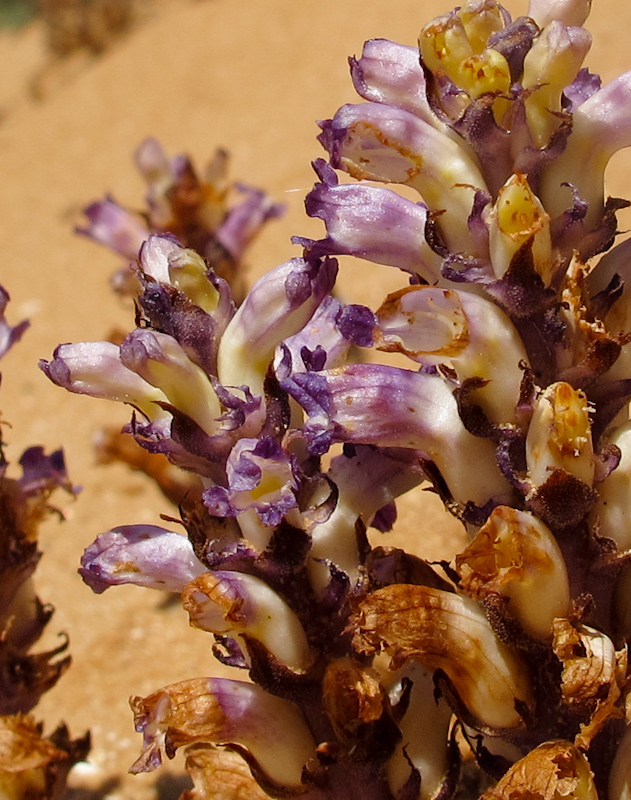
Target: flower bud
559,436
518,217
569,12
550,65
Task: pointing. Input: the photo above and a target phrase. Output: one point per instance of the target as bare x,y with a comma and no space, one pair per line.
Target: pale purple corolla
144,555
279,305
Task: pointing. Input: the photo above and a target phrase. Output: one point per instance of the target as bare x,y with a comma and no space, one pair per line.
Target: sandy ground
249,75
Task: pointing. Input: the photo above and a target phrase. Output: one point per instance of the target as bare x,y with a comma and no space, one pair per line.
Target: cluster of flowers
31,764
372,671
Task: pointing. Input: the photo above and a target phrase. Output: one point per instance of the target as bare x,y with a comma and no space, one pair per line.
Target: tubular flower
497,374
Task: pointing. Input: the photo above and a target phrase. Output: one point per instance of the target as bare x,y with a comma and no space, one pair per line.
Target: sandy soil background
249,75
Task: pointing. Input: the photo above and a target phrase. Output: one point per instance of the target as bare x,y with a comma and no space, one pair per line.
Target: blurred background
83,83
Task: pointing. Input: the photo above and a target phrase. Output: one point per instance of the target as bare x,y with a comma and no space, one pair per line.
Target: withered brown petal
219,774
352,695
444,630
552,771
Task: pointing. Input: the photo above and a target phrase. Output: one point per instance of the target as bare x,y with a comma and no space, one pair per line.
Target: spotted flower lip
268,730
145,555
518,219
243,605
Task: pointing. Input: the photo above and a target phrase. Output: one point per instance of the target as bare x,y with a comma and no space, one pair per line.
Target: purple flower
144,555
260,477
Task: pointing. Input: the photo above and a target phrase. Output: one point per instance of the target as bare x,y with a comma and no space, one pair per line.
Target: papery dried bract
352,696
593,674
32,766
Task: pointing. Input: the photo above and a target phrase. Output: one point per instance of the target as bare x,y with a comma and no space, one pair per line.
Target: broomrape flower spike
374,674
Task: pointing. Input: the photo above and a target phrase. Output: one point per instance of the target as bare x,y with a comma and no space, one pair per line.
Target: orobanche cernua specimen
367,673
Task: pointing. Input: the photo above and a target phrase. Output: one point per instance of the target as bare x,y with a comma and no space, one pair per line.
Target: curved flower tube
376,142
600,127
467,332
356,218
234,603
270,730
447,631
96,369
426,754
278,305
367,479
161,361
392,407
